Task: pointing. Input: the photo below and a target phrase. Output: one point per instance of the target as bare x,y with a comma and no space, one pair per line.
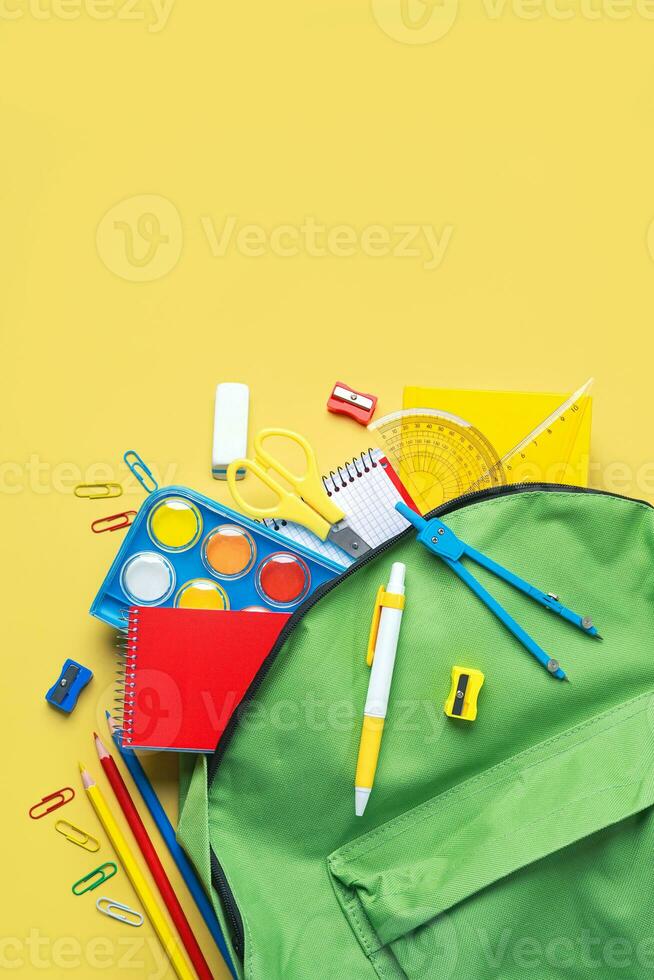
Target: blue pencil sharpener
66,690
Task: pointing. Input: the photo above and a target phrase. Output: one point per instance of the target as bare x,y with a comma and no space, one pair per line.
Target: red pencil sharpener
356,404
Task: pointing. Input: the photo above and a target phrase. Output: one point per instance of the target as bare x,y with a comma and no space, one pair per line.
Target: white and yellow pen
382,647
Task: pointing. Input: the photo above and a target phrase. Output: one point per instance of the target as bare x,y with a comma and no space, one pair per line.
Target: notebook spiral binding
125,682
337,479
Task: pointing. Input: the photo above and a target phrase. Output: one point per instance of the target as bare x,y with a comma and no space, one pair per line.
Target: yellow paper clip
104,490
77,836
116,910
101,874
383,598
462,700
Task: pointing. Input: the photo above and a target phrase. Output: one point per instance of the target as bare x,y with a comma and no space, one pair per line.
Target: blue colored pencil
167,831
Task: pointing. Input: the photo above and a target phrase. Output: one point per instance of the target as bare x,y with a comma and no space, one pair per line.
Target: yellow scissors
309,505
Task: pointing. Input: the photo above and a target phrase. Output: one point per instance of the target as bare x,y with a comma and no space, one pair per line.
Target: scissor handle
307,485
289,507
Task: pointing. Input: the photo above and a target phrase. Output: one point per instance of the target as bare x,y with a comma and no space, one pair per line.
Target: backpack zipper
327,587
230,907
218,878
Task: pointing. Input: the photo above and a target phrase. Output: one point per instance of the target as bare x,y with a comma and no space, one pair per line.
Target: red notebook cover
186,671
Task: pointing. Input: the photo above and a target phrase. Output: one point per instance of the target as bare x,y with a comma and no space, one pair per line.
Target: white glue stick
230,428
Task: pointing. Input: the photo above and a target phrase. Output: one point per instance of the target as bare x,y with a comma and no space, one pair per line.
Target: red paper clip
62,796
128,516
345,401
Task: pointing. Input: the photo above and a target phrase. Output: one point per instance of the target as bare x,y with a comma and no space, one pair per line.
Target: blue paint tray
186,550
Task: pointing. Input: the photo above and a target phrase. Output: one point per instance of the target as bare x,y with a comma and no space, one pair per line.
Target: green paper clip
103,876
141,471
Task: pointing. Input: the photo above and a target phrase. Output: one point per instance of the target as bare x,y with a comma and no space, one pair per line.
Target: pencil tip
87,781
95,734
100,747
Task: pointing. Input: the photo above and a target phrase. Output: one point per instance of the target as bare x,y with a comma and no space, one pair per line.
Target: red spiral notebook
185,672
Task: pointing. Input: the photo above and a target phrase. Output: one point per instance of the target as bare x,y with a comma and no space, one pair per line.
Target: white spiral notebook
366,489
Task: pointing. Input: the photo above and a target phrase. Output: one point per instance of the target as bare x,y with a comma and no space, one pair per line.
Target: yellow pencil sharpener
462,700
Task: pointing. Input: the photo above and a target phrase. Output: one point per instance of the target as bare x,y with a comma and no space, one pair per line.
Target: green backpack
518,845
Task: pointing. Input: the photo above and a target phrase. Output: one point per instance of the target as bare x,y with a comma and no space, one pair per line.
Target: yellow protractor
437,456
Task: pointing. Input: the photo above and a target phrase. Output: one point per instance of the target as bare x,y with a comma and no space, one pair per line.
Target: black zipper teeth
229,904
217,874
447,508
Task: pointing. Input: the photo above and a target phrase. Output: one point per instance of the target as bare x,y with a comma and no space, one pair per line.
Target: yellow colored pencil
135,875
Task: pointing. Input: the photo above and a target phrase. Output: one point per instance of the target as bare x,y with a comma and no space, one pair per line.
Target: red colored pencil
152,860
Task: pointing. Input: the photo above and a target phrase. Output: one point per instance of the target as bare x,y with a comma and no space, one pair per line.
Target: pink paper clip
127,518
61,796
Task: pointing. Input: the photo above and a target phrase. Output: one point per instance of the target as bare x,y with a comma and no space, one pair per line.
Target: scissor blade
344,537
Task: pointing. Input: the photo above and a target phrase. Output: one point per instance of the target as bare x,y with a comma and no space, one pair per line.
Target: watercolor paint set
187,551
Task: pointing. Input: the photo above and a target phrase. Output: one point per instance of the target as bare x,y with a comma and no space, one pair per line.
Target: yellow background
528,137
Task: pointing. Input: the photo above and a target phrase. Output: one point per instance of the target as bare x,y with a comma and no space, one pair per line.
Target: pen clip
390,600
